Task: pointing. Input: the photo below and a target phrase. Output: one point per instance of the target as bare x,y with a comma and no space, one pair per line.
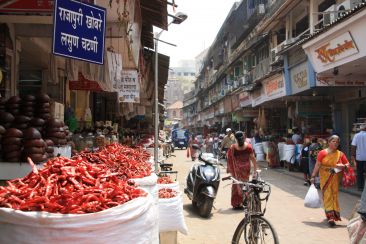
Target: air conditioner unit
274,51
245,80
330,14
347,5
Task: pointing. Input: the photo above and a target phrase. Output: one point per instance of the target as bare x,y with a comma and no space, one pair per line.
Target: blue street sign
79,31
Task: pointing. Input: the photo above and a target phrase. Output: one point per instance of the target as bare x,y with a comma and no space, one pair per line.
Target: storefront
271,117
338,55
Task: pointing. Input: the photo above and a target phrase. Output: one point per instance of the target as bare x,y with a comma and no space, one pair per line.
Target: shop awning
155,12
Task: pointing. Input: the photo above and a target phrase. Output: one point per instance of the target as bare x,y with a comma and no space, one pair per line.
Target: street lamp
177,19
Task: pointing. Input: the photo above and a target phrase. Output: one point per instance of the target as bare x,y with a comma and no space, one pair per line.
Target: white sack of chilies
174,186
131,222
148,183
171,216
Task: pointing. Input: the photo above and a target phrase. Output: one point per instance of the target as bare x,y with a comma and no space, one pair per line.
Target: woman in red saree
190,150
239,157
330,164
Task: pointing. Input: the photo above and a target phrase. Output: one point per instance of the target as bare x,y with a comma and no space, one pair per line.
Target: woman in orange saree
330,164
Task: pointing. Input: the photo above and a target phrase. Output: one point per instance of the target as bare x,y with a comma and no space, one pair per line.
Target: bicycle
254,227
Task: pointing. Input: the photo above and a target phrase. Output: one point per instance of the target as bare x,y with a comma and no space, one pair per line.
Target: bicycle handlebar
256,184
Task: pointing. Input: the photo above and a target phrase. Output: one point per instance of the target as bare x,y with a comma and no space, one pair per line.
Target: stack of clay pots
12,145
34,146
49,148
43,107
55,131
13,105
6,119
2,131
21,122
28,104
2,104
38,124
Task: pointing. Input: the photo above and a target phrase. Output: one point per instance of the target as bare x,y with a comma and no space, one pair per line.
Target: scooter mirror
195,146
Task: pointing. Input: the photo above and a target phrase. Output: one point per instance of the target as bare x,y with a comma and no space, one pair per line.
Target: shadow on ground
323,224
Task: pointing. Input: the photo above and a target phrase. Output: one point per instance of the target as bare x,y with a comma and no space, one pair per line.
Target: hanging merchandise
115,68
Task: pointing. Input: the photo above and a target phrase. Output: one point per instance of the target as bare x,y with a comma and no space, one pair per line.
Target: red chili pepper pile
68,186
167,193
128,162
165,180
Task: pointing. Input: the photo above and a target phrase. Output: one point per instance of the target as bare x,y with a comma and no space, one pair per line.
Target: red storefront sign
84,84
30,6
26,6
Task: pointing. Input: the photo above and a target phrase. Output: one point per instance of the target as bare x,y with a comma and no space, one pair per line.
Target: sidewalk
351,190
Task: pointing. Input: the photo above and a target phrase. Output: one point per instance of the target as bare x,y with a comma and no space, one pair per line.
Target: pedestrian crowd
320,161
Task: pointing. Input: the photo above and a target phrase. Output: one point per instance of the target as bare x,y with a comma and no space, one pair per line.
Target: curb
284,171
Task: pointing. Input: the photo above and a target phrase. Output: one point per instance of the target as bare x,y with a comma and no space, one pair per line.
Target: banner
129,87
79,31
114,68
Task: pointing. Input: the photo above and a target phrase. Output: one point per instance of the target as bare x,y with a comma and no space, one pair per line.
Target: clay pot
13,132
32,133
34,143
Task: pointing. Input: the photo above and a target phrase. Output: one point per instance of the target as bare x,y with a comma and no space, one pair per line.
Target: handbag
349,177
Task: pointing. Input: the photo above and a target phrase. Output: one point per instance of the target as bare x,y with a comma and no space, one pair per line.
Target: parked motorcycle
202,183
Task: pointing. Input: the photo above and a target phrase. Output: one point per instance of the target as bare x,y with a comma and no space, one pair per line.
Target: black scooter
202,184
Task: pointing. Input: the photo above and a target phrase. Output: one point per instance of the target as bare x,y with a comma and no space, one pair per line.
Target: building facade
280,64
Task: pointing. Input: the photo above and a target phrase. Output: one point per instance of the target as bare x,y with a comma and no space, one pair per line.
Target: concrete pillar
313,18
289,26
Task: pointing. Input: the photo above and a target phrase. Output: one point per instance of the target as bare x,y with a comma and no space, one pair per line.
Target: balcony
261,69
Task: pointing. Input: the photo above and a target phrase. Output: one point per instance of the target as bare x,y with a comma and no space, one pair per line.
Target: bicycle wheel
257,230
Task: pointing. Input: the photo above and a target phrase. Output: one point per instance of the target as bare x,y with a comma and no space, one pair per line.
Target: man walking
359,155
228,140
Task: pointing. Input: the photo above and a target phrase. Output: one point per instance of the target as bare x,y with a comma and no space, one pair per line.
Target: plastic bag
312,199
132,222
171,216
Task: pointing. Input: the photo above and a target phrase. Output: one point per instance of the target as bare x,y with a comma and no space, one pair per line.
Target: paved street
293,222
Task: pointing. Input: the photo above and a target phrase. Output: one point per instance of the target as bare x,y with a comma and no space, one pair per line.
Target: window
192,74
174,113
185,73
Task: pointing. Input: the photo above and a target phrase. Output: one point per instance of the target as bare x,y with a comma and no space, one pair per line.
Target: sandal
331,223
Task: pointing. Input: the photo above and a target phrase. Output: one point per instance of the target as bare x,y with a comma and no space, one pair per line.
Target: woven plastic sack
132,222
171,216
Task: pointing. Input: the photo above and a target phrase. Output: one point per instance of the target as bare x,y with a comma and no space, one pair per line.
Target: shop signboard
274,88
271,89
129,87
299,78
79,31
329,80
336,49
244,99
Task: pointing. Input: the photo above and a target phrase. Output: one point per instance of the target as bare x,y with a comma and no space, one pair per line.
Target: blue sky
205,18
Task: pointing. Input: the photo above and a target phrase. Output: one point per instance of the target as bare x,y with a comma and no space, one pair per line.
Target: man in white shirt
359,155
296,138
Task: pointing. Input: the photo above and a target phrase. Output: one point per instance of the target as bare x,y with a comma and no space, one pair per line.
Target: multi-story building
280,64
180,81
